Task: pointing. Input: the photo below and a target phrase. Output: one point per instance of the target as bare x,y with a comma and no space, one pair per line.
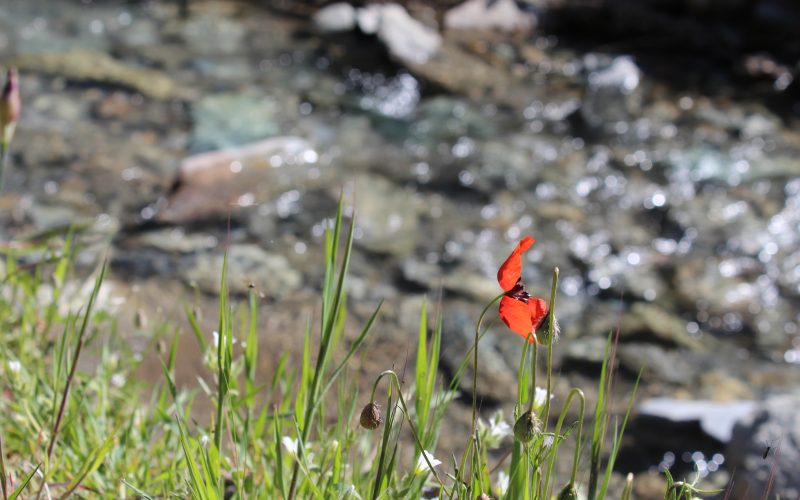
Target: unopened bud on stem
527,427
10,106
371,416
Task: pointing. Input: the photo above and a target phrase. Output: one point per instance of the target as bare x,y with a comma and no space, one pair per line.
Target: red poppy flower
519,311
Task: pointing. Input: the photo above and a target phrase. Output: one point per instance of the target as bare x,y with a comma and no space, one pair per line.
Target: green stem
394,378
475,359
572,393
532,395
550,335
3,157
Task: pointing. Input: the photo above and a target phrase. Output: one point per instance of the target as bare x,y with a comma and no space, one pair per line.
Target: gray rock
176,241
776,425
248,264
336,17
387,216
659,364
93,66
480,14
225,120
495,377
213,34
611,91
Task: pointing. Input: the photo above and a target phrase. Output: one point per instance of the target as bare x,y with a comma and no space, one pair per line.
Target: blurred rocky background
651,147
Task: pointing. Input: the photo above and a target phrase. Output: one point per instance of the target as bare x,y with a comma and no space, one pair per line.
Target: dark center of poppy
519,292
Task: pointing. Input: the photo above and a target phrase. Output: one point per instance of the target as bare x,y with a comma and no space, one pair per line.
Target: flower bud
568,493
527,427
484,496
10,106
371,416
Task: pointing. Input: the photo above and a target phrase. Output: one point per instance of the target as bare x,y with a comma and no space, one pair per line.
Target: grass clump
74,419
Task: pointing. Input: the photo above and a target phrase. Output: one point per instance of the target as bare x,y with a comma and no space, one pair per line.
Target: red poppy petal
538,311
517,316
511,270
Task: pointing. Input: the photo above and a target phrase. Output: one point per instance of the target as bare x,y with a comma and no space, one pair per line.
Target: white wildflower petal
539,398
422,464
501,430
290,445
14,366
118,380
502,483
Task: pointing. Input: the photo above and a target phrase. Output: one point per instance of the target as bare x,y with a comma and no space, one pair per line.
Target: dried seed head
371,416
527,427
568,493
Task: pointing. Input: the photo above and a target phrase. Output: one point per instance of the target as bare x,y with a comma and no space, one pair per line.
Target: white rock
335,17
480,14
406,38
622,74
369,18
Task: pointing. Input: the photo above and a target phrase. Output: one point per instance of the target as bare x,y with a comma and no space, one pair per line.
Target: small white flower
215,334
422,465
502,484
290,444
118,380
349,491
204,439
539,398
495,431
14,366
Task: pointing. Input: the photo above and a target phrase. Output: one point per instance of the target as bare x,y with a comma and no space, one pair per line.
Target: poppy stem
475,359
532,394
550,334
394,378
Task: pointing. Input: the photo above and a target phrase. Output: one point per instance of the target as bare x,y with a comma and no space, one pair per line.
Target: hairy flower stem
575,392
475,378
551,330
3,156
475,360
393,378
532,395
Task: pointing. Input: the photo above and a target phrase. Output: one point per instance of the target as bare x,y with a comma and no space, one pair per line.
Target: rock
665,326
643,321
659,364
611,90
406,38
175,241
369,18
335,17
480,14
420,272
775,424
218,183
496,381
247,264
471,284
226,120
92,66
387,216
466,74
213,33
716,419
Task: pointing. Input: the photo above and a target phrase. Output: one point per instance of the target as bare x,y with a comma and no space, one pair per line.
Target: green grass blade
24,484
